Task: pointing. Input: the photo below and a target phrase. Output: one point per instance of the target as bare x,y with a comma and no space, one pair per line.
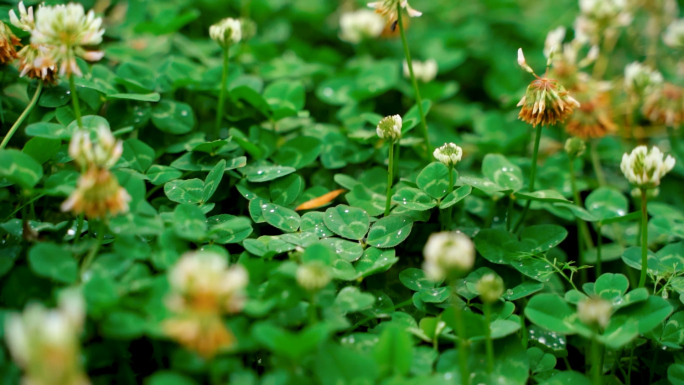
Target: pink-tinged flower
390,8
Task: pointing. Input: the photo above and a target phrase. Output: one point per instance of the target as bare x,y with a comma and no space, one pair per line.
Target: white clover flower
674,34
595,311
313,276
359,25
388,8
586,30
104,154
606,11
554,41
98,194
226,32
446,253
490,287
522,62
25,21
642,79
645,168
424,71
389,128
449,154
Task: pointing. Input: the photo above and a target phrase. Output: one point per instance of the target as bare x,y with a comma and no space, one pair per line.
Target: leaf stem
598,250
409,63
533,175
93,251
222,95
79,229
23,116
449,211
488,336
596,357
596,162
74,101
644,238
390,168
460,332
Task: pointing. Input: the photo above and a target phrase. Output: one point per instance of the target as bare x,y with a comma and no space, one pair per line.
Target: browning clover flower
645,168
595,311
37,62
666,106
359,25
674,34
313,275
447,253
67,29
593,119
204,334
45,344
424,71
449,154
104,154
8,41
389,128
97,195
389,9
546,101
226,32
490,287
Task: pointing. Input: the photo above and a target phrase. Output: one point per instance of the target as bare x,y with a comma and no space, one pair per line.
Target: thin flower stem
222,96
628,378
509,213
74,101
312,310
449,211
583,237
488,336
23,116
419,100
93,251
460,332
533,176
644,238
79,229
602,62
596,163
596,357
390,168
598,250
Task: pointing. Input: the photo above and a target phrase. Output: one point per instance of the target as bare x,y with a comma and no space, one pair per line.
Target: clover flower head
389,9
447,253
8,41
359,25
595,311
449,154
97,195
103,154
44,342
666,105
226,32
593,119
606,12
641,79
313,275
674,34
389,128
424,71
25,21
575,147
205,334
554,41
37,62
490,287
645,168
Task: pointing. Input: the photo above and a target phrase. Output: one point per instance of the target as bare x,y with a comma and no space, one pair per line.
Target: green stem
74,101
598,250
23,116
312,309
628,378
567,363
674,143
222,96
596,357
449,211
79,229
93,251
596,162
583,236
390,168
409,63
488,336
644,238
533,175
462,344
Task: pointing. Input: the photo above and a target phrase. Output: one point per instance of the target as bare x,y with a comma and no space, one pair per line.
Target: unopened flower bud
490,287
389,128
226,32
313,276
522,63
448,253
449,154
595,311
644,167
575,147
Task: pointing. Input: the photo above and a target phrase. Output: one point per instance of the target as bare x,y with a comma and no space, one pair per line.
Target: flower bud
595,311
448,253
522,63
359,25
313,276
449,154
423,71
226,32
575,147
389,128
490,287
645,168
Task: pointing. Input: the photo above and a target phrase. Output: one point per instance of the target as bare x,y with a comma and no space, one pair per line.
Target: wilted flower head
595,311
674,34
313,275
359,25
575,147
490,287
44,342
593,119
97,195
8,41
103,154
666,106
67,29
449,154
447,253
546,101
389,128
205,334
389,9
37,62
25,21
641,79
645,168
226,32
424,71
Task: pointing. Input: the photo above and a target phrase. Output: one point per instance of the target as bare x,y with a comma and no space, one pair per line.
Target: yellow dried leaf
320,201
